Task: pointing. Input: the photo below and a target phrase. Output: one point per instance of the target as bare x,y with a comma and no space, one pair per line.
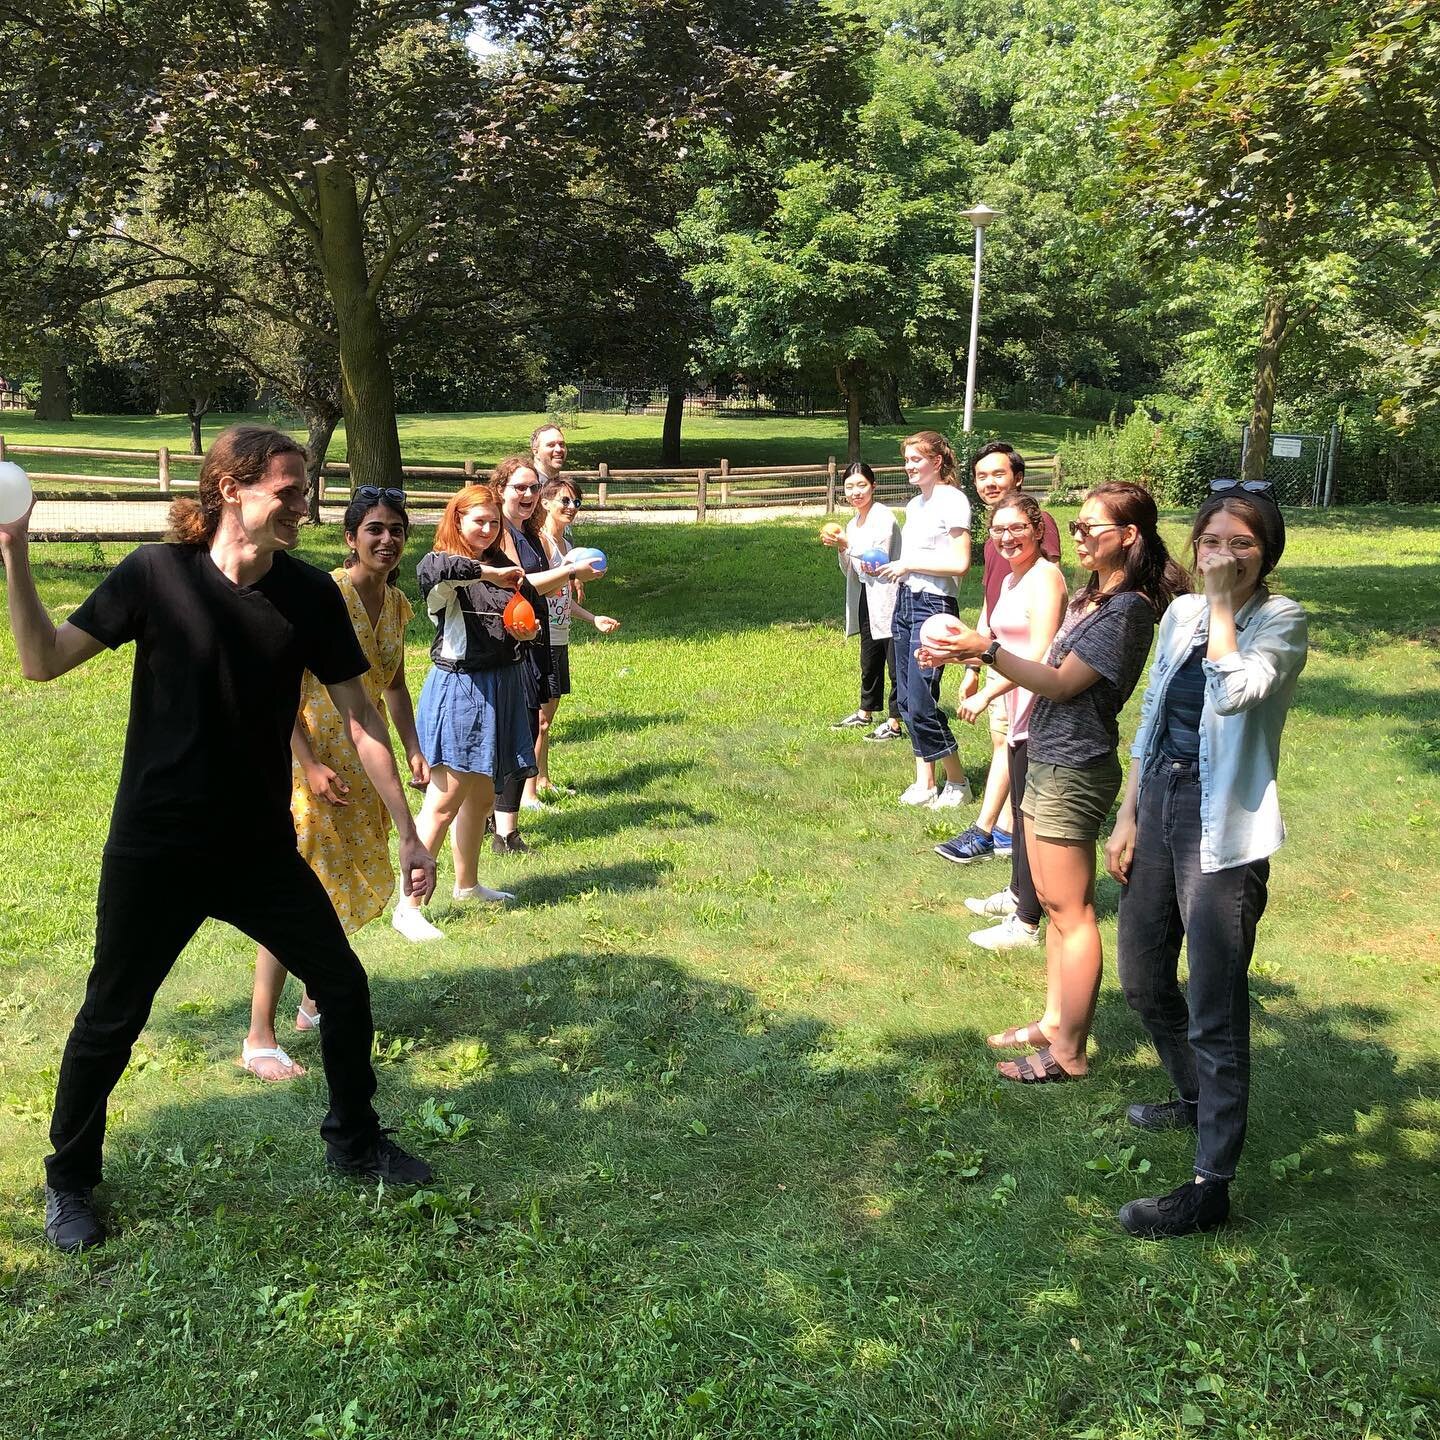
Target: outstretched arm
46,651
372,744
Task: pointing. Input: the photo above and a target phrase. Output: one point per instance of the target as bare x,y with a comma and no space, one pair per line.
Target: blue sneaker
1003,843
971,844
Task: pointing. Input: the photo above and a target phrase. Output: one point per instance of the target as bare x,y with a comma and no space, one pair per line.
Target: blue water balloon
588,555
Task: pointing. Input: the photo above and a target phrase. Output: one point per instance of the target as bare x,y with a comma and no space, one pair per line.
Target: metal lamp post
979,216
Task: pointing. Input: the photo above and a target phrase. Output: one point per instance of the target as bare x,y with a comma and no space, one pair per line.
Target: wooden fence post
162,463
724,482
2,447
320,486
830,486
702,482
469,470
602,489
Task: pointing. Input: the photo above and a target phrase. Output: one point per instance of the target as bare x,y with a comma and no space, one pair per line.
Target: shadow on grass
1409,717
576,729
1351,607
574,822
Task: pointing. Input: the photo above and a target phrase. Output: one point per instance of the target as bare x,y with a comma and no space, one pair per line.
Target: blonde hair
937,447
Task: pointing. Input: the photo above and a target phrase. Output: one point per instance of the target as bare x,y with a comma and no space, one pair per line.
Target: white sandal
248,1057
304,1020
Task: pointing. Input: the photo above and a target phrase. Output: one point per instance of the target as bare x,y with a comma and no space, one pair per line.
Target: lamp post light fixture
979,216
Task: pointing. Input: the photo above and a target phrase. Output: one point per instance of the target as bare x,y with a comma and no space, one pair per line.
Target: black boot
1186,1210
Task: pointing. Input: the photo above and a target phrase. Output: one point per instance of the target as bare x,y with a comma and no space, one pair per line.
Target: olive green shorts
998,712
1065,803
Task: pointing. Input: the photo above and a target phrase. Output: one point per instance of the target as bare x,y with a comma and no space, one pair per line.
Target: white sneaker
952,796
413,925
996,906
483,892
530,803
918,794
1009,934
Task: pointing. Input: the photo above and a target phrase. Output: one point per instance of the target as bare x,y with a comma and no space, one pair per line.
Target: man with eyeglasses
999,474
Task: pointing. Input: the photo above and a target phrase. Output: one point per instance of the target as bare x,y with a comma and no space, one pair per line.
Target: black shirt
539,672
1184,705
468,613
1112,639
215,691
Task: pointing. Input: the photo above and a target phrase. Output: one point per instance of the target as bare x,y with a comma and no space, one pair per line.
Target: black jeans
507,798
1022,886
876,657
1204,1045
930,735
146,913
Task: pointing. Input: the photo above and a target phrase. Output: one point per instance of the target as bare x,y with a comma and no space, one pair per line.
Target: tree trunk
674,418
320,421
880,402
53,402
195,412
850,377
367,383
1267,374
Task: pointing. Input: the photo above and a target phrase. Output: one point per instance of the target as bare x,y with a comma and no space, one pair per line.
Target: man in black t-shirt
224,624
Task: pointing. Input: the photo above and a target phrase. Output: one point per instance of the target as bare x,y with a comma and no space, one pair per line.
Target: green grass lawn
720,1149
619,440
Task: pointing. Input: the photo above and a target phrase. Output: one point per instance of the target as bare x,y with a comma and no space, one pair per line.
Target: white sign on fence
1286,447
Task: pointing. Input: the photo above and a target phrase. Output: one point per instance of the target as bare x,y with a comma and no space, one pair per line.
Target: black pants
507,798
1022,886
876,657
146,913
1204,1044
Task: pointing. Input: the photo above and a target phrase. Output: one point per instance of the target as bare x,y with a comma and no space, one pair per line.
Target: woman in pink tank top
1025,620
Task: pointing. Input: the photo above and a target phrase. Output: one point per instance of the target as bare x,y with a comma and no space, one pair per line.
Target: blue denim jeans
1204,1044
919,686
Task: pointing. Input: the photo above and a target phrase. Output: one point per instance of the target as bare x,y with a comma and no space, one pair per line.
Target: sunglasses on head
379,494
1262,488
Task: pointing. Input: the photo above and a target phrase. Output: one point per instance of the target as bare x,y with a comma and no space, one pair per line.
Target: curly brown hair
241,453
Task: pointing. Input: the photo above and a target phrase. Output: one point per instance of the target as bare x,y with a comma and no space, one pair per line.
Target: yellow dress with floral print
348,846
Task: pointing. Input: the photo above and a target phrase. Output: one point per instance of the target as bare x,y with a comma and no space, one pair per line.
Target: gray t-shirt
1113,640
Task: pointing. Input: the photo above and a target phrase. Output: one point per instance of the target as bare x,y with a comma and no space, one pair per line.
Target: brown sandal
1041,1068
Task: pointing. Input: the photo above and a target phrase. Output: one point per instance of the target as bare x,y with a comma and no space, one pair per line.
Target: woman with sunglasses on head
472,721
934,558
517,485
341,824
869,600
560,501
1073,772
1194,836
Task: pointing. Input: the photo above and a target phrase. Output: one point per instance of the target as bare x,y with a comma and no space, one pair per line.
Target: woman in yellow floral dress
341,825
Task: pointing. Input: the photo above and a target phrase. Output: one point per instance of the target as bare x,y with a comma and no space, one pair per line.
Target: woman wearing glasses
341,824
560,501
1025,619
1073,771
1194,836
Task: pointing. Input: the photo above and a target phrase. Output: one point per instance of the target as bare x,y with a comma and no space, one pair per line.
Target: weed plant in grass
720,1149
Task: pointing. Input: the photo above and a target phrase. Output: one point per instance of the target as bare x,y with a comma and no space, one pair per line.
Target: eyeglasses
999,532
1241,547
1084,529
524,489
1263,488
379,494
566,503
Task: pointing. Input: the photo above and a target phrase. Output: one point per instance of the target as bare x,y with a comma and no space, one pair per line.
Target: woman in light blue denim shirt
1192,841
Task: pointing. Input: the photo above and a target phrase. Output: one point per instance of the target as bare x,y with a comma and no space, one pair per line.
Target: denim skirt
476,722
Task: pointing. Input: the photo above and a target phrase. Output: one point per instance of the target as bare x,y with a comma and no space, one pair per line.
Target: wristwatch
990,652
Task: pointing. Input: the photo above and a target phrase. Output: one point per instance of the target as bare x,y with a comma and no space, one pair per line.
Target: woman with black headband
1193,839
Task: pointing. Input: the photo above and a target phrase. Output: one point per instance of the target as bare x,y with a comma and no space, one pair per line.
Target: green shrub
1173,448
1387,458
562,406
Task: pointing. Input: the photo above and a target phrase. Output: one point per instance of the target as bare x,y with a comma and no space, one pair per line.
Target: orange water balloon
520,619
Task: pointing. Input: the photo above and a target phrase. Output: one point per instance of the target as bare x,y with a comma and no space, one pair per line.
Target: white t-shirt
929,534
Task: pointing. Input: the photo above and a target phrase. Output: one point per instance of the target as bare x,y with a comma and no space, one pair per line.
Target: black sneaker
70,1220
1188,1209
1163,1115
386,1161
510,844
